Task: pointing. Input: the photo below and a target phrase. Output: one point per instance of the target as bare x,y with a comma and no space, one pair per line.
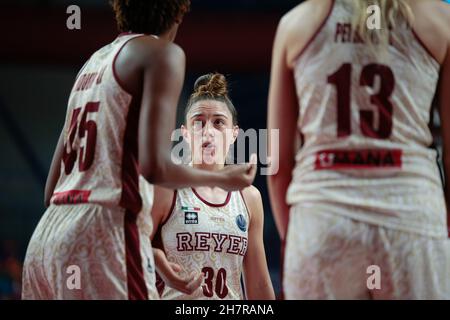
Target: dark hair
212,86
148,16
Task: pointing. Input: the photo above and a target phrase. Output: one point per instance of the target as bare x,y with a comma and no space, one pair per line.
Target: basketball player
91,243
208,230
367,209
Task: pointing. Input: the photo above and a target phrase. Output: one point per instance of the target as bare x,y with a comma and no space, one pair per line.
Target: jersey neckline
215,205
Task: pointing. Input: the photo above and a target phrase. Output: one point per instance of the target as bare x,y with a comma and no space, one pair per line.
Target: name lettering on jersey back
345,34
206,241
87,80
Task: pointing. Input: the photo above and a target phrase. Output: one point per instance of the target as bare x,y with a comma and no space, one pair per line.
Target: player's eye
219,122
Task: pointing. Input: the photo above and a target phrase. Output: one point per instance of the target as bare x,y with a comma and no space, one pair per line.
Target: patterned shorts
89,252
333,257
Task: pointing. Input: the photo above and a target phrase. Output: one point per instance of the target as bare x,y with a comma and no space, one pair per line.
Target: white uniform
365,157
93,224
209,238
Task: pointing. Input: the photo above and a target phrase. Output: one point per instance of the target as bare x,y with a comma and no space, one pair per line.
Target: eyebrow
214,115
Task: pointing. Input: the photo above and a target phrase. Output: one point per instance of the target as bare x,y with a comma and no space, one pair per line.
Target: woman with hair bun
208,236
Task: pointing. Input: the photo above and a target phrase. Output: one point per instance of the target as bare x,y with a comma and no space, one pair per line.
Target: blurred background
39,59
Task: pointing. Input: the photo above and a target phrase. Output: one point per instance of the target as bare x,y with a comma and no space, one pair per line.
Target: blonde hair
394,13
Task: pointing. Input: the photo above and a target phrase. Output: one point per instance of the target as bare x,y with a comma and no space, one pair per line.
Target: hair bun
212,84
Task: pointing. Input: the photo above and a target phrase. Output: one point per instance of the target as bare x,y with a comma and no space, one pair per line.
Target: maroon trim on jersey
71,197
172,207
116,77
214,205
158,243
310,41
131,198
245,203
132,201
160,285
423,45
137,288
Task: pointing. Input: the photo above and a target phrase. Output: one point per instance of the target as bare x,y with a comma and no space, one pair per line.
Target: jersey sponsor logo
241,223
358,159
71,197
217,219
190,214
217,242
190,217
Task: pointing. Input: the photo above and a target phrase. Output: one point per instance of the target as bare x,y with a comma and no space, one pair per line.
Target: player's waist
106,197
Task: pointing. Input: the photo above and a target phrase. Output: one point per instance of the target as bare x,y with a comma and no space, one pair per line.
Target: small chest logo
241,223
190,217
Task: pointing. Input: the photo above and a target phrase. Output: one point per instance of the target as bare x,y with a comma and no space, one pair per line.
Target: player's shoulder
444,9
148,49
252,198
252,193
435,10
299,25
163,194
305,14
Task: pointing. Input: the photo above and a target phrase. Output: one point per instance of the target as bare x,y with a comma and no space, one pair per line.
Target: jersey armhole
246,206
424,46
316,33
158,243
171,210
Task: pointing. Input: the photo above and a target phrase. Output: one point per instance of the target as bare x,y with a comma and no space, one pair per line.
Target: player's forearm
264,291
278,186
172,176
161,262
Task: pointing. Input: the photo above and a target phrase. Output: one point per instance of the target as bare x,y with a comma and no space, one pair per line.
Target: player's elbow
47,200
154,171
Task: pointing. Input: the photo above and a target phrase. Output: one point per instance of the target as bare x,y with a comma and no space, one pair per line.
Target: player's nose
208,129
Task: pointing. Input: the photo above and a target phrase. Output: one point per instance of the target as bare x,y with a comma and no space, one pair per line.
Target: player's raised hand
238,177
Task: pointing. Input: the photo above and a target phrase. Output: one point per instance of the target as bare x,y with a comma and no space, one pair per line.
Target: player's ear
186,134
235,133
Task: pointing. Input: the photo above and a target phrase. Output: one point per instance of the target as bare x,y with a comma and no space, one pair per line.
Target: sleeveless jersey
209,238
364,122
100,161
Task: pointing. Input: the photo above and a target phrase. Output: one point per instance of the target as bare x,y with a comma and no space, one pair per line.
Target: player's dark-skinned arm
444,107
162,83
55,171
282,116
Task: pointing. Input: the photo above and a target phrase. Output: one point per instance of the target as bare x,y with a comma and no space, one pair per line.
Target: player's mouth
208,146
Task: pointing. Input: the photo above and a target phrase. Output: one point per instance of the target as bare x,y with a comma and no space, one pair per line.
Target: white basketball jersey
364,123
208,238
100,161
